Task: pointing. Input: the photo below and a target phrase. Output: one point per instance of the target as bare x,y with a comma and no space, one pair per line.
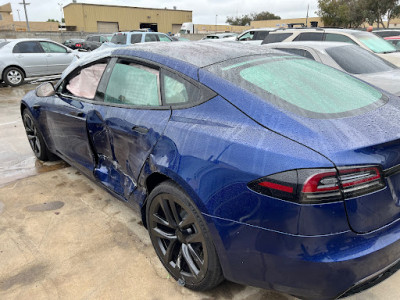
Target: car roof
319,29
187,52
310,44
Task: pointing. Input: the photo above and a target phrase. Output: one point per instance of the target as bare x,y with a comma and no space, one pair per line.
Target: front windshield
375,43
300,85
352,59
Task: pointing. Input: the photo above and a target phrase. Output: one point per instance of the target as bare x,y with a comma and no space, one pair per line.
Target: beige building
7,22
105,18
395,23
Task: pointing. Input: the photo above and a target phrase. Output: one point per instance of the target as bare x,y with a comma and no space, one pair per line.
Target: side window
164,38
119,38
133,84
298,52
27,47
333,37
151,38
136,38
247,36
309,36
260,35
96,38
276,38
308,55
89,39
52,48
85,83
177,90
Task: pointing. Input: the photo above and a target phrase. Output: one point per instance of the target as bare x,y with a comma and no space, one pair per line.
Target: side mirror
45,90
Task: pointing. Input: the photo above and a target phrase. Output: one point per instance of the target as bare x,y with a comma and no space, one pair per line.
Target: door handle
77,114
140,129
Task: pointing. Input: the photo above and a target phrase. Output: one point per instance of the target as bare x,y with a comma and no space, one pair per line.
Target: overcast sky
204,11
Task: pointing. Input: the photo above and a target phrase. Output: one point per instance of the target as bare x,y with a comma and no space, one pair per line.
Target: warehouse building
106,18
7,22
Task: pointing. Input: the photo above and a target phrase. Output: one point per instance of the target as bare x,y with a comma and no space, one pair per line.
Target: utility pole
61,9
19,17
216,17
26,14
308,8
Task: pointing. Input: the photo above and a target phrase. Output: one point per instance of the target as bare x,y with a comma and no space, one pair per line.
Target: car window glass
374,42
308,55
151,38
309,36
276,38
353,60
136,38
333,37
299,52
247,36
119,38
85,83
52,48
300,85
163,38
134,85
28,47
260,35
175,91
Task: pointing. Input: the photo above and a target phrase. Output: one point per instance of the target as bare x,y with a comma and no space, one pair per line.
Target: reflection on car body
244,163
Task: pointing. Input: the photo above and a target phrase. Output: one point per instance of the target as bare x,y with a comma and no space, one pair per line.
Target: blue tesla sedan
247,164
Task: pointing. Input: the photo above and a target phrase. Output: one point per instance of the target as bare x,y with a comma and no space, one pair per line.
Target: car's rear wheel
13,76
181,238
35,137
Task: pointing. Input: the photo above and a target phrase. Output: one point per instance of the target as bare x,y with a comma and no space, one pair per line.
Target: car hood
388,81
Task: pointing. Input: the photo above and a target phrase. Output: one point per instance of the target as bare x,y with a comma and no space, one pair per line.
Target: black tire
35,137
13,76
181,238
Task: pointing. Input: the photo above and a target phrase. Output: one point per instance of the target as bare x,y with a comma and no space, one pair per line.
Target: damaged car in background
246,164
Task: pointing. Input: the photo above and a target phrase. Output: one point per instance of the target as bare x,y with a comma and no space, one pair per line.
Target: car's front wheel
181,238
35,137
13,76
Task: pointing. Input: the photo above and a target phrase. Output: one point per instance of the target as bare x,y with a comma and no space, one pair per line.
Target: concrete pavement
64,237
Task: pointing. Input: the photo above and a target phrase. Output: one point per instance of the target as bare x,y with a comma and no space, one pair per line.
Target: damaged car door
128,124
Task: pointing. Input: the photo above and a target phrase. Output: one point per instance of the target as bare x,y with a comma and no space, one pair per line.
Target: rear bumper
312,267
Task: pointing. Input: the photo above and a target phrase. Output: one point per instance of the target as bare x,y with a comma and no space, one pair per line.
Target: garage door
109,27
176,28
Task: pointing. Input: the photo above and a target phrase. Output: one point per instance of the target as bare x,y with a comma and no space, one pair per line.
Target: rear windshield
374,42
300,85
352,59
2,44
119,38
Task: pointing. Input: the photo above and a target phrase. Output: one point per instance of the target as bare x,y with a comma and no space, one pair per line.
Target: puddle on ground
47,206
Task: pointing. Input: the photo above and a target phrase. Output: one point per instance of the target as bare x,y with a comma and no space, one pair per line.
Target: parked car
94,41
134,37
252,36
248,164
366,40
23,58
220,36
74,43
179,39
395,40
383,33
349,58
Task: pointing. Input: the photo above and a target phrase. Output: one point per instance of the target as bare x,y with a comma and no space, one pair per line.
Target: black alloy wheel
35,138
181,239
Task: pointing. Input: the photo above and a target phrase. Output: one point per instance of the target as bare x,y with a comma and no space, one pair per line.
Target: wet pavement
63,237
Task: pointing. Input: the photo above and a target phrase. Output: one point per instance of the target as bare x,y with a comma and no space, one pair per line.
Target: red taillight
78,45
310,186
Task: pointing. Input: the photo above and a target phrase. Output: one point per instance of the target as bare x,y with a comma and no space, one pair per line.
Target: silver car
23,58
349,58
